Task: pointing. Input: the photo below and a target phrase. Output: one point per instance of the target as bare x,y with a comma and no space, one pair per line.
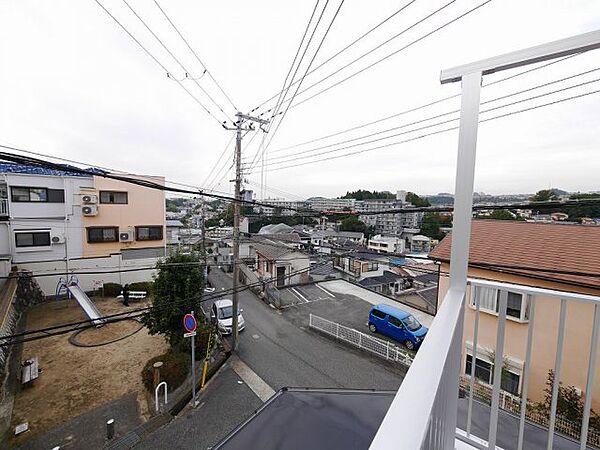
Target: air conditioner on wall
126,236
58,239
90,199
91,210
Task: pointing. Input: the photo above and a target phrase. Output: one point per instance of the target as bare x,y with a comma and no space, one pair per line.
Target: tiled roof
8,167
386,278
571,248
273,250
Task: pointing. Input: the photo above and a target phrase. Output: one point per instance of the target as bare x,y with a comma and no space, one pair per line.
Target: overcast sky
74,85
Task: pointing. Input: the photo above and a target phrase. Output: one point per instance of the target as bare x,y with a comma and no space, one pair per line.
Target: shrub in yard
112,289
141,286
174,370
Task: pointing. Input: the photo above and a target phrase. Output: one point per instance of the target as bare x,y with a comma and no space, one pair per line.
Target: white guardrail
365,341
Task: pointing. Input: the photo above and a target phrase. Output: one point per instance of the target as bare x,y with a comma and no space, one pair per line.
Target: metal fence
367,342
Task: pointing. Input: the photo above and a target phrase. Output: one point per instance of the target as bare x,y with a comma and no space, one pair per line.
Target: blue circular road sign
189,322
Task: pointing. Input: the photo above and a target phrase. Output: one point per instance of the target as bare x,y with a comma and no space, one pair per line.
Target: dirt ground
75,379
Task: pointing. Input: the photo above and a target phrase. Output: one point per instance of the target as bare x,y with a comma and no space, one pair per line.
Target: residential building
391,224
173,227
280,261
359,265
388,283
281,207
386,244
518,253
331,204
420,244
57,221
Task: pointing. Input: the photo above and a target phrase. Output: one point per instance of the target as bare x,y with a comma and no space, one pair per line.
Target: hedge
112,289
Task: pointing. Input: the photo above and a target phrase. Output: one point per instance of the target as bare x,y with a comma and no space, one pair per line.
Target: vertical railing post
559,350
525,385
590,379
498,365
473,361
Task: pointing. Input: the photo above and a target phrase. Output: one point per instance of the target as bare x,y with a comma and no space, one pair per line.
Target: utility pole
236,216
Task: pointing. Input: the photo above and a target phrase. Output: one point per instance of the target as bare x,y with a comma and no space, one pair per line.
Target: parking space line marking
299,295
254,382
325,290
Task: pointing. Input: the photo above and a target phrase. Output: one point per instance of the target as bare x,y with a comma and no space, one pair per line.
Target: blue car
397,324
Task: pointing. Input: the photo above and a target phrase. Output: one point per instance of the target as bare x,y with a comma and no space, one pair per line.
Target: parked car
221,312
209,290
397,324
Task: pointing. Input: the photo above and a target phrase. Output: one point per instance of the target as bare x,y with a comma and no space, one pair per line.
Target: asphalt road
284,354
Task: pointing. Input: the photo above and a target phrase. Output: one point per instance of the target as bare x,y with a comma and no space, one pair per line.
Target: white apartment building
386,244
281,207
331,204
392,224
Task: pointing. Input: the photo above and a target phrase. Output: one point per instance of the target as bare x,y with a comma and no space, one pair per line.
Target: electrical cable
159,63
436,132
425,105
209,175
195,55
307,69
438,116
186,71
410,44
277,104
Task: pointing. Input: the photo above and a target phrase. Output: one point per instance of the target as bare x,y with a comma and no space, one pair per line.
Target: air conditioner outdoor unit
90,199
126,236
59,239
91,210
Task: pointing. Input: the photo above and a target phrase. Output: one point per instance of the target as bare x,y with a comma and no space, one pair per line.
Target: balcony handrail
536,291
423,382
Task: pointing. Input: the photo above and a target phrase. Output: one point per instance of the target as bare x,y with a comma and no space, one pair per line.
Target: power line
410,44
439,131
174,57
158,62
307,69
395,13
512,94
223,153
422,106
195,55
277,104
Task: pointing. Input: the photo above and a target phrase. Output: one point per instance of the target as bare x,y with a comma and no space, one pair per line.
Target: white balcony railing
423,414
431,385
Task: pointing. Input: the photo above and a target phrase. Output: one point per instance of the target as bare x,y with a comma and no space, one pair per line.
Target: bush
141,286
174,370
112,289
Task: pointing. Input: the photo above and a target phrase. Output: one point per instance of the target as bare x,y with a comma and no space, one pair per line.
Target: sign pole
190,324
193,368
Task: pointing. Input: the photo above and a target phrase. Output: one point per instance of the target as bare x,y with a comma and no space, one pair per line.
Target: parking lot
341,302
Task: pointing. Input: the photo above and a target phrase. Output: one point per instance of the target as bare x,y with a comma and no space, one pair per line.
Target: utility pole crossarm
252,118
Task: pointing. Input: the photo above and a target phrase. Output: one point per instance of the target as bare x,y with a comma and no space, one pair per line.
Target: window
370,267
32,239
396,322
38,195
152,233
484,371
113,197
517,305
103,234
378,314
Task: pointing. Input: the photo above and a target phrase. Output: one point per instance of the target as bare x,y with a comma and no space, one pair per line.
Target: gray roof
283,237
174,223
275,228
273,250
9,167
386,278
427,278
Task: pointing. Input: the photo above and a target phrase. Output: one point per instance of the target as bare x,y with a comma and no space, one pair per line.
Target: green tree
177,290
353,224
362,194
501,214
430,226
415,200
545,195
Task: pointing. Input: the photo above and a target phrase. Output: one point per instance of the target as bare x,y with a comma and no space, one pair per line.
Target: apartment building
392,224
54,221
386,244
331,204
522,251
281,207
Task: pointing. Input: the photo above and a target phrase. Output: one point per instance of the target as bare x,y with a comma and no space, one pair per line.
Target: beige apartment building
123,217
517,253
